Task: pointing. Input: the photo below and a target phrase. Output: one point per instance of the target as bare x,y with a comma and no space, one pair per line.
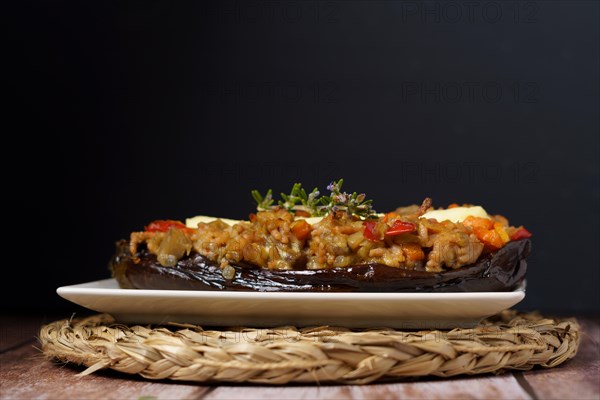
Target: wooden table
25,374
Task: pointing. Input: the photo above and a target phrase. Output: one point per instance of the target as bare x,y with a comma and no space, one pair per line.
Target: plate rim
83,289
268,309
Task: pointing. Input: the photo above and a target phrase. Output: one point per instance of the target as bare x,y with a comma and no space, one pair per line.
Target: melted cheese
456,214
194,221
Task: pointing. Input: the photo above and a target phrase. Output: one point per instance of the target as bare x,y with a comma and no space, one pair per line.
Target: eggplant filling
348,247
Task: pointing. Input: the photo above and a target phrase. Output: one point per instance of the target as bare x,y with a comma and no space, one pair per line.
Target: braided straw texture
320,354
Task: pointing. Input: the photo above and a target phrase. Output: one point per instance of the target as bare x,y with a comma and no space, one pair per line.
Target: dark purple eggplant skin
503,270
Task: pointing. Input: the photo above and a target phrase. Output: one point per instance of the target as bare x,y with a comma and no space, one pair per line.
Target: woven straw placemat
320,354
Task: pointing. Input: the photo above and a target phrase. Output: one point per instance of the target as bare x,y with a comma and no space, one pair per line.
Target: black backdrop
134,111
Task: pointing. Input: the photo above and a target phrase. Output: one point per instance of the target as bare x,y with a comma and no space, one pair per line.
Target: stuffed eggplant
329,243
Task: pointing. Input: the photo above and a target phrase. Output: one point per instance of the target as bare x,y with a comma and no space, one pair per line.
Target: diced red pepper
399,227
520,233
163,225
370,231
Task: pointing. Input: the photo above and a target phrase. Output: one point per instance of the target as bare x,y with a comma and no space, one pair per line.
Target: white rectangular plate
263,309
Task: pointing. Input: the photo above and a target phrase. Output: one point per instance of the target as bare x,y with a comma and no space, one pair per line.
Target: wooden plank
493,387
25,374
578,378
15,329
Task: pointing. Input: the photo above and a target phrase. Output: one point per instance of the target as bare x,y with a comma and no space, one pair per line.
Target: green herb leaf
298,200
263,203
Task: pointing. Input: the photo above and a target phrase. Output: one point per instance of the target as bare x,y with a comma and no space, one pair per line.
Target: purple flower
340,198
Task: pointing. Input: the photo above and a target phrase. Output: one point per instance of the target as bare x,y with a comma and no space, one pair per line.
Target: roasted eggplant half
308,243
503,270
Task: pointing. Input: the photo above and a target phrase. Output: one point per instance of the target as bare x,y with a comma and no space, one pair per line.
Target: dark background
135,111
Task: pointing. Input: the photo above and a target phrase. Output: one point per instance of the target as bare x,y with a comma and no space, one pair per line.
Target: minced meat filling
276,239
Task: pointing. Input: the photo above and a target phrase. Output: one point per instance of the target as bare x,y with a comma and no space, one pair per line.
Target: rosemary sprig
352,204
298,200
263,203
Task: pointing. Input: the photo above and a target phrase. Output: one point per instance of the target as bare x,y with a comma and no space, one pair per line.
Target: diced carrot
453,205
389,216
413,251
301,229
479,222
500,230
492,234
492,240
480,232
